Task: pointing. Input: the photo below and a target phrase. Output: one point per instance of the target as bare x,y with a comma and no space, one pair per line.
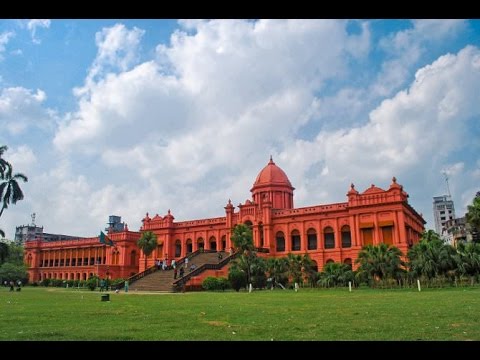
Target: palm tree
335,273
10,191
380,262
148,243
431,257
295,267
242,239
473,216
4,165
468,259
277,269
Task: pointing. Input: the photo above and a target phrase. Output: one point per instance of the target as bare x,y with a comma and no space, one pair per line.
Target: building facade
443,211
328,232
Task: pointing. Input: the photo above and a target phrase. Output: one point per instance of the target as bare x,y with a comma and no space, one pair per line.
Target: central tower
272,185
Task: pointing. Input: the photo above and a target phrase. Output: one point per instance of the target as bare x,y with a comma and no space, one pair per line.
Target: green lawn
65,314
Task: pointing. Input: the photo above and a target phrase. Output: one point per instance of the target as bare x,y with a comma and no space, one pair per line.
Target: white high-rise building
443,210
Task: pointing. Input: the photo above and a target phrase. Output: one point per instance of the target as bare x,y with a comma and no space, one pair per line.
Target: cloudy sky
128,117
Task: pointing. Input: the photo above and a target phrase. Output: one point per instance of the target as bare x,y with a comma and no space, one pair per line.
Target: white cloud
117,51
4,39
22,158
22,108
35,24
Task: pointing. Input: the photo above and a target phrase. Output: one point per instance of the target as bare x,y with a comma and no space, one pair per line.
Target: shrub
210,283
223,283
237,279
118,283
259,281
92,283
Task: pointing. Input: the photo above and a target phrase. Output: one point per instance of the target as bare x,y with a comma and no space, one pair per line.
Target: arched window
200,243
329,261
249,224
348,262
315,265
346,237
280,240
133,258
213,243
329,238
224,242
260,232
178,248
296,240
189,246
312,239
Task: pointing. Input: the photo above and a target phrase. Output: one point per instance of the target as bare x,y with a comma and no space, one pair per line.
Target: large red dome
272,175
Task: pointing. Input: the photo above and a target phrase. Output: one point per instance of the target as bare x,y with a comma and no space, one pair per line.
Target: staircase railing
177,284
153,268
138,276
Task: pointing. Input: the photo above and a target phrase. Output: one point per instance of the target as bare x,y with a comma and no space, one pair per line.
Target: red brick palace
330,232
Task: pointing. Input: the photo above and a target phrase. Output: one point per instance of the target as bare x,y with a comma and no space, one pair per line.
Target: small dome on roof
272,174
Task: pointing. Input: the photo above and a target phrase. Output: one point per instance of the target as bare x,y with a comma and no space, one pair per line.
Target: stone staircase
161,280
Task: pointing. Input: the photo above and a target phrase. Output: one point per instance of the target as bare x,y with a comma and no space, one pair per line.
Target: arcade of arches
328,232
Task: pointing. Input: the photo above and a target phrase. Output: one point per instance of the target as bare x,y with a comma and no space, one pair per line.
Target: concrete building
443,210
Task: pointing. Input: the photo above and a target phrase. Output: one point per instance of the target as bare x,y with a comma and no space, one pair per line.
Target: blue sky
132,116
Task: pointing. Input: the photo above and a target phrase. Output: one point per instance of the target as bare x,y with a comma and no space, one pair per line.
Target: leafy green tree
237,278
335,274
277,269
473,217
148,243
10,271
431,257
10,191
309,269
2,234
295,268
15,254
468,260
242,239
380,262
4,252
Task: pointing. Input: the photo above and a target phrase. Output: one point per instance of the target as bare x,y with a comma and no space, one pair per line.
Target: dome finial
271,161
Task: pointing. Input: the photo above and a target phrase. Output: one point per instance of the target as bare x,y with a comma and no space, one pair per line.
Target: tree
468,260
2,233
242,239
379,262
4,165
473,217
431,257
4,252
148,243
277,269
334,274
10,190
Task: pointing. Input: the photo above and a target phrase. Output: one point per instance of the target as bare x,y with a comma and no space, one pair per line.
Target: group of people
12,284
164,265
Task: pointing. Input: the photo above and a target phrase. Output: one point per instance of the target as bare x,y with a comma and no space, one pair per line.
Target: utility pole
448,186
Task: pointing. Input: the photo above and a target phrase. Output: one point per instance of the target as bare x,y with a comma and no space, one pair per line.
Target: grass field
310,314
